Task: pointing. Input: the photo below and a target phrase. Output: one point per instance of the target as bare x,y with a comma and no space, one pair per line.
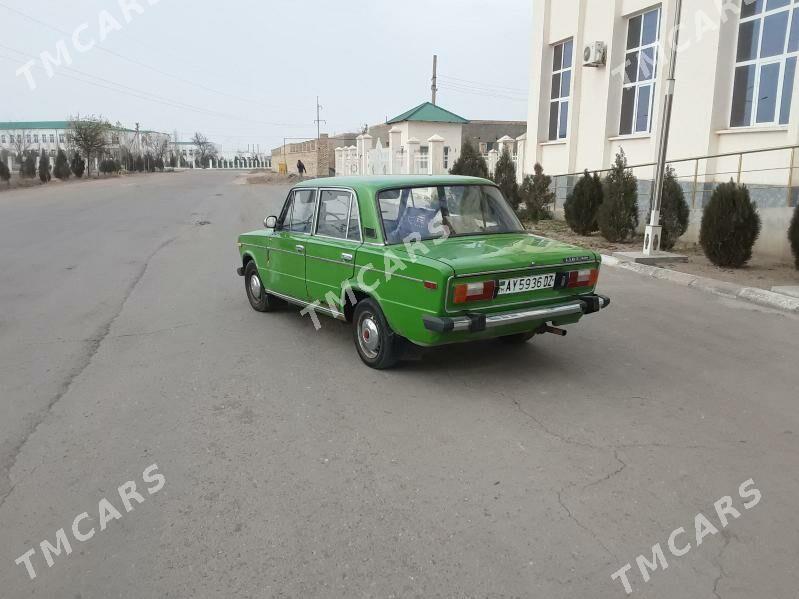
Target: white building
597,81
17,137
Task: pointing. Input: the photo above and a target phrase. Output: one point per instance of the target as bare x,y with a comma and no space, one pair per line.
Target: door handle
300,248
346,257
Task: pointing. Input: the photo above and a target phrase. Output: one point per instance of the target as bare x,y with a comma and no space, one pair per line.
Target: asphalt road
292,470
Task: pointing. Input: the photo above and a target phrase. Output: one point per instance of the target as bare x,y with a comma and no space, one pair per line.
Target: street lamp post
652,234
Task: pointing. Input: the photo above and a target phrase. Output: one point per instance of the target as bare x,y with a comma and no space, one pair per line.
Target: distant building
317,155
405,143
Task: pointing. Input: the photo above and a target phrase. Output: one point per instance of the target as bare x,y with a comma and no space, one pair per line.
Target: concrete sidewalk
755,295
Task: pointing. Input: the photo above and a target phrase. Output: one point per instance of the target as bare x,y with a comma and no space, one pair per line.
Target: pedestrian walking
301,168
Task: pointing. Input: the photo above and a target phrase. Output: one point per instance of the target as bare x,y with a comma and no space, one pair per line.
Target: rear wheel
260,300
518,338
376,343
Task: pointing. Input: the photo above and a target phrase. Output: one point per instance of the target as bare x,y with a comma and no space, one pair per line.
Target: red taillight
430,285
583,278
474,292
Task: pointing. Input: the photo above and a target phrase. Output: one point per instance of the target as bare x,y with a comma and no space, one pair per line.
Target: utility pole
653,229
433,87
318,120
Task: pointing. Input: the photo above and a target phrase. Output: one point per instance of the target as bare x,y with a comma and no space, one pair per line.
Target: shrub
730,226
674,211
618,214
5,174
139,164
582,204
470,162
793,234
536,195
61,169
44,167
505,178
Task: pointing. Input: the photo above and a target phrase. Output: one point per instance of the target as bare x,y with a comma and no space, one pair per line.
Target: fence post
435,157
394,143
413,150
696,179
521,150
790,179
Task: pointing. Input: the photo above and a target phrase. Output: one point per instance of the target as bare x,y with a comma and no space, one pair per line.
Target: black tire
518,338
377,345
260,300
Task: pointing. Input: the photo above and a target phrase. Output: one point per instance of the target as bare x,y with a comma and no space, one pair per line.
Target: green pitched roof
6,125
430,113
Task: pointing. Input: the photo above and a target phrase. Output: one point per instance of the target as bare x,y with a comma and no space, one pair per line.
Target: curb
754,295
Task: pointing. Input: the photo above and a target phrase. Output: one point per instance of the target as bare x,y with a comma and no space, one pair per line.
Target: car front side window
302,211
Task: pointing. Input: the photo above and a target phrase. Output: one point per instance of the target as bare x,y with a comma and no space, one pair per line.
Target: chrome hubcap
368,336
255,286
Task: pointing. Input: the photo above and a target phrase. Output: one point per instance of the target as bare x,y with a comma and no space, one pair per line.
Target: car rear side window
334,207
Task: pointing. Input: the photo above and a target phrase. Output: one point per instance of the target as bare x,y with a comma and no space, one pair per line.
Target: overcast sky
248,71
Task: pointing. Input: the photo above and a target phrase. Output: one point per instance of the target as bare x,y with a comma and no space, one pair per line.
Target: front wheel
260,300
376,343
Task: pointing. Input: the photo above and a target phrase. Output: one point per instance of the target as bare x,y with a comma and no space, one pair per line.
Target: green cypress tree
793,235
618,213
61,168
44,167
470,163
536,195
78,165
730,226
581,206
28,169
674,211
5,174
505,178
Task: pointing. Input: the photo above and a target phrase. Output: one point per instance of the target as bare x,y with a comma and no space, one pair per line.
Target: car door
330,252
286,274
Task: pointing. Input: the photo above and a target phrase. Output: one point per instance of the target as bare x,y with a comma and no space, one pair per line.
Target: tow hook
545,328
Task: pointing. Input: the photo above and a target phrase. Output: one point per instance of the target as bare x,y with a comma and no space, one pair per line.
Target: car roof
377,182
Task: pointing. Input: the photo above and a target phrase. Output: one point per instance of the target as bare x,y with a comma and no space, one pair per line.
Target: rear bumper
474,322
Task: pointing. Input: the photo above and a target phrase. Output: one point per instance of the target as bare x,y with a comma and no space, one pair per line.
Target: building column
435,158
521,150
493,158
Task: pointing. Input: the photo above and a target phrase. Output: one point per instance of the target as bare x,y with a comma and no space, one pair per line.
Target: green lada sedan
415,261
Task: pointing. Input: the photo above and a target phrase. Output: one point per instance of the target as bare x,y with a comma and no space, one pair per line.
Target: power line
483,84
130,91
137,62
483,94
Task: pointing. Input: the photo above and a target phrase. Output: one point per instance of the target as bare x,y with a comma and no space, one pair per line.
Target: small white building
597,79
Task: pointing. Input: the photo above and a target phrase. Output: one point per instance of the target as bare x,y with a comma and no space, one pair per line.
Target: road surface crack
93,344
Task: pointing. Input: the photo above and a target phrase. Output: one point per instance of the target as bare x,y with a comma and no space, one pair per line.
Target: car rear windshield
445,211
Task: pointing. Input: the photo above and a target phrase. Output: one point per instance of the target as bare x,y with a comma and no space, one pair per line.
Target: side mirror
270,222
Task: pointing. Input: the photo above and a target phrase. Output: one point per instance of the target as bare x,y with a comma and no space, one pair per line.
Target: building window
765,63
446,157
641,61
2,139
52,138
28,138
560,90
35,138
61,138
52,152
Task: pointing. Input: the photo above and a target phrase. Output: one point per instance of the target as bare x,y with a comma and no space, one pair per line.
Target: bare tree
90,136
161,146
205,150
21,143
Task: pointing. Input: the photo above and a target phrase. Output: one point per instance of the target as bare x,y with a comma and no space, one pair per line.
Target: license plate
522,284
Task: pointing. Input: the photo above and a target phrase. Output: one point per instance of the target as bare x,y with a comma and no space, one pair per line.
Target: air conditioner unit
594,54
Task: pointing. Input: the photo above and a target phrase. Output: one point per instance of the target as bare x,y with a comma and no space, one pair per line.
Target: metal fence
768,173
